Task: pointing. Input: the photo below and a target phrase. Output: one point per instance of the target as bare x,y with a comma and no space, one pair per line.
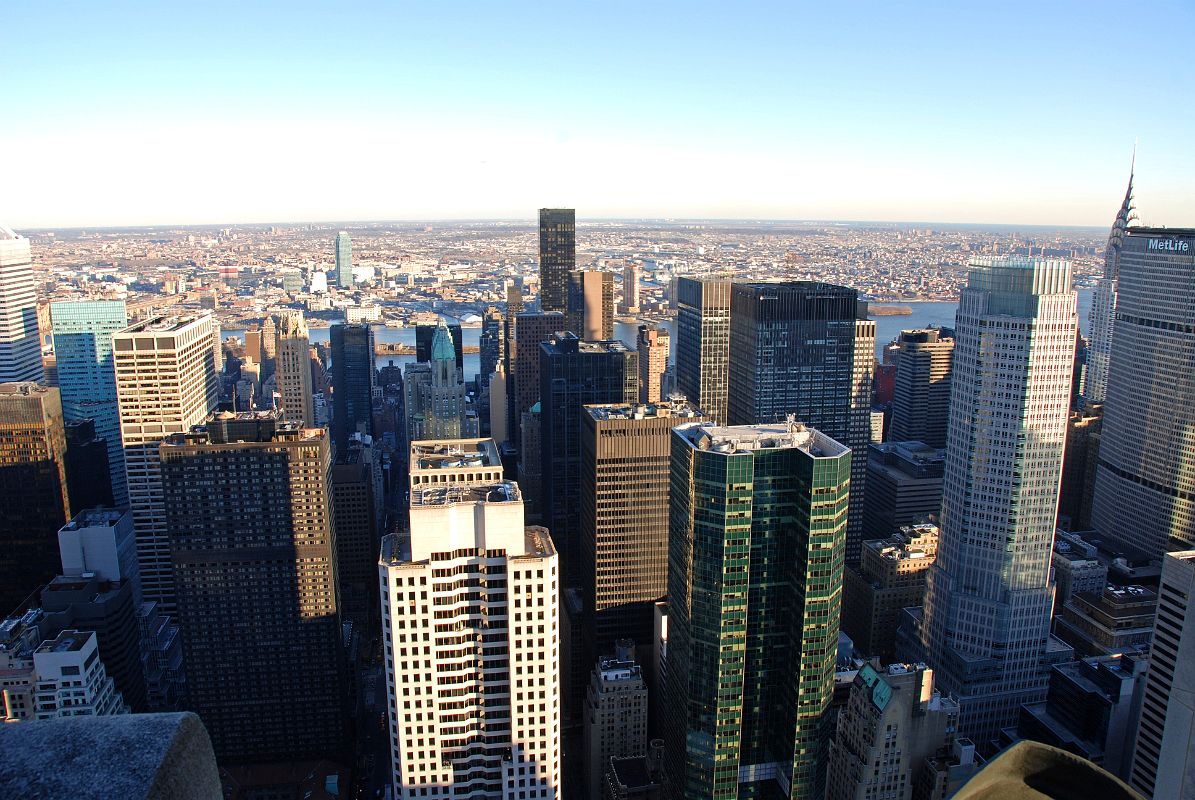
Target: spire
442,347
1124,217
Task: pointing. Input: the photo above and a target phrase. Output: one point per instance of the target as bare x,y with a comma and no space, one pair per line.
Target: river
923,314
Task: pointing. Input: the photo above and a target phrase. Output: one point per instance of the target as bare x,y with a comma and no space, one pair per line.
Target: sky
118,113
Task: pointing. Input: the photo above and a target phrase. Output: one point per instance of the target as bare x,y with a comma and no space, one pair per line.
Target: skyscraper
88,479
625,457
893,722
1103,304
166,382
32,488
87,375
573,373
1162,760
353,379
294,370
436,404
425,335
1145,479
255,573
986,627
806,348
557,256
531,330
489,343
591,304
703,344
344,261
630,289
755,559
654,344
470,614
20,347
921,397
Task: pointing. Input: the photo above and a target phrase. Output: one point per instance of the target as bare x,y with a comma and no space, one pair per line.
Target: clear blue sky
138,113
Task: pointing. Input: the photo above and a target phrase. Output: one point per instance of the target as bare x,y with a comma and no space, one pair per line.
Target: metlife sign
1172,245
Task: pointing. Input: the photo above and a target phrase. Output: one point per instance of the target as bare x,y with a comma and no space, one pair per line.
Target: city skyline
171,117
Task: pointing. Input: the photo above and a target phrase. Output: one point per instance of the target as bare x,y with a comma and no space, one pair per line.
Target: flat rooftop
501,492
431,454
167,324
732,439
66,642
677,407
24,388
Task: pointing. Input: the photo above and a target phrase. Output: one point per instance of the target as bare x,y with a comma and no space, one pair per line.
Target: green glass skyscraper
757,532
344,261
87,376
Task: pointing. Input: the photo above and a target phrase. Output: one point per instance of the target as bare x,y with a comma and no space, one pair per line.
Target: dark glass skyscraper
1145,480
255,576
921,399
573,373
557,256
353,379
807,349
33,490
703,343
755,559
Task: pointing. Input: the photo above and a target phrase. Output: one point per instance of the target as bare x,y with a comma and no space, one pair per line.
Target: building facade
591,304
87,374
921,395
344,261
615,719
353,381
166,382
757,534
294,370
470,617
33,488
625,461
1102,321
1162,759
255,575
1145,481
20,345
894,720
904,485
654,345
990,594
891,576
806,348
703,344
573,373
557,256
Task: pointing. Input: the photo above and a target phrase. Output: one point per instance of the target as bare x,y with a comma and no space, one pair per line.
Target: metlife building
1145,479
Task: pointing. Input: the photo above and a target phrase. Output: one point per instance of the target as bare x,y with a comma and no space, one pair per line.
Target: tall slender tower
436,404
703,343
87,375
591,304
165,383
294,370
353,379
264,661
557,257
1103,303
654,344
630,289
20,347
344,261
755,558
471,619
986,627
1145,479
